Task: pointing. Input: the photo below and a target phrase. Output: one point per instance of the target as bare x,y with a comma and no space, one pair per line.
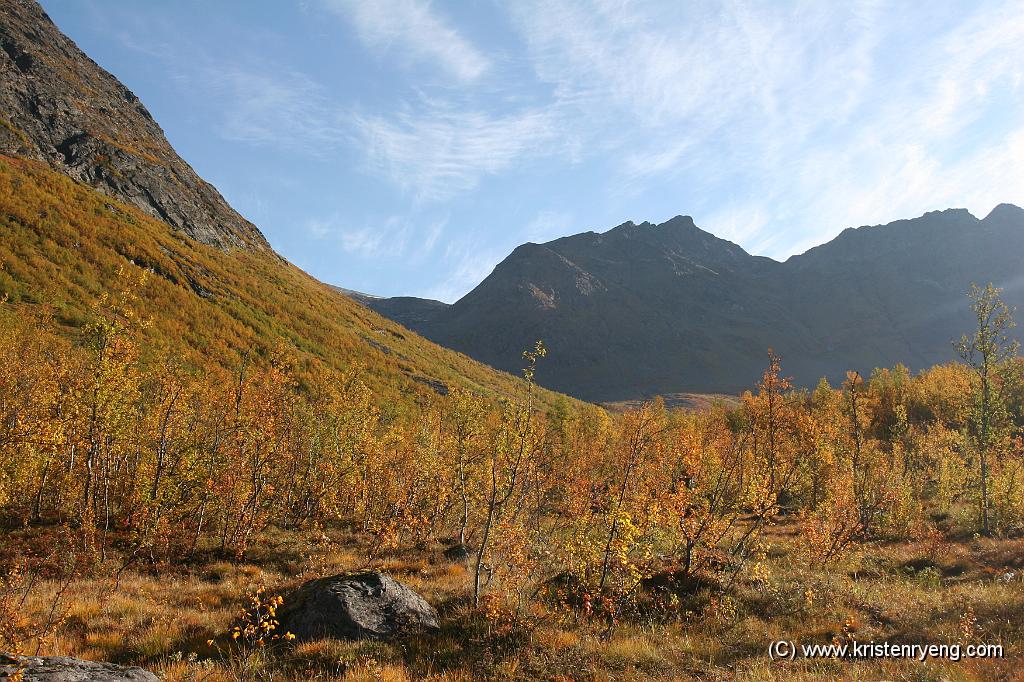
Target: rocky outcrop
65,669
369,605
60,107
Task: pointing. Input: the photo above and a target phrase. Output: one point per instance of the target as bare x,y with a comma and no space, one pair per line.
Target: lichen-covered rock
66,669
369,605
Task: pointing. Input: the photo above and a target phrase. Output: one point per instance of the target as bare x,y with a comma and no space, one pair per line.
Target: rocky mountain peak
59,107
1005,212
679,222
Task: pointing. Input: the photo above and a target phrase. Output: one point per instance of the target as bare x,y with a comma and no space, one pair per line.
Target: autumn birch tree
986,352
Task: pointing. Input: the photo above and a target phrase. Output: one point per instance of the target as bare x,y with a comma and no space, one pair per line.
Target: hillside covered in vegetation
64,246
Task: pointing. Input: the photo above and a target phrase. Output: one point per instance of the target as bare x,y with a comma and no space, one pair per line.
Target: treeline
142,459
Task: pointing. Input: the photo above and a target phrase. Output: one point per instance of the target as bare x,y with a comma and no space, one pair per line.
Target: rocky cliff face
58,106
660,309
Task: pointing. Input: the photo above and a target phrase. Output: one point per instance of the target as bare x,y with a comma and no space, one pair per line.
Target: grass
947,591
63,246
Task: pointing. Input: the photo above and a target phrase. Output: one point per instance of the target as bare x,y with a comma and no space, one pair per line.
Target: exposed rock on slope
58,106
408,311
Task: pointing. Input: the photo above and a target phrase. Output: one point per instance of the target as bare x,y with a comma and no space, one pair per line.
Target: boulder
66,669
368,605
678,582
458,553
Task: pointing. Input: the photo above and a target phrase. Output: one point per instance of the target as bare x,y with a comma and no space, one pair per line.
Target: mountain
59,107
93,198
647,309
408,311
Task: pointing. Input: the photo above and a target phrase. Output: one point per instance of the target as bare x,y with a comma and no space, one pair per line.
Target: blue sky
405,146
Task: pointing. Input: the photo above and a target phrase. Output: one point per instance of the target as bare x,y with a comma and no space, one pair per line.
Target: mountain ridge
679,309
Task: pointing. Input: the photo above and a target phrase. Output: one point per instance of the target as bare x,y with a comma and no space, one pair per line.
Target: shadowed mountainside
647,309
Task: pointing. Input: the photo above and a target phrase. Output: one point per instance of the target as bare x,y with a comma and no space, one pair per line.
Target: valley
639,454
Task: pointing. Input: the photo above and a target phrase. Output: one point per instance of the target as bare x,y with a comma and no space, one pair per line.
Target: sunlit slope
63,245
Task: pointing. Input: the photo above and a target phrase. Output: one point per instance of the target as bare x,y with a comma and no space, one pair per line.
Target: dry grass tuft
909,592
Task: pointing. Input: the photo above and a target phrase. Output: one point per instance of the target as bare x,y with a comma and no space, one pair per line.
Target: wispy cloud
739,223
398,237
773,124
429,237
782,123
369,242
413,28
685,73
257,101
945,131
319,228
913,181
439,151
264,104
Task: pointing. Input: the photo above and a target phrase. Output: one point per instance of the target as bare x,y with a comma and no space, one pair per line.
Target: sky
405,147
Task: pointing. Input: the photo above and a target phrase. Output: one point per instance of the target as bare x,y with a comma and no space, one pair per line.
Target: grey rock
436,385
369,605
408,311
59,107
458,552
66,669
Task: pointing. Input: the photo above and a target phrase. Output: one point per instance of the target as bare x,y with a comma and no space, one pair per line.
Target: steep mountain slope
92,197
653,309
606,306
60,107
